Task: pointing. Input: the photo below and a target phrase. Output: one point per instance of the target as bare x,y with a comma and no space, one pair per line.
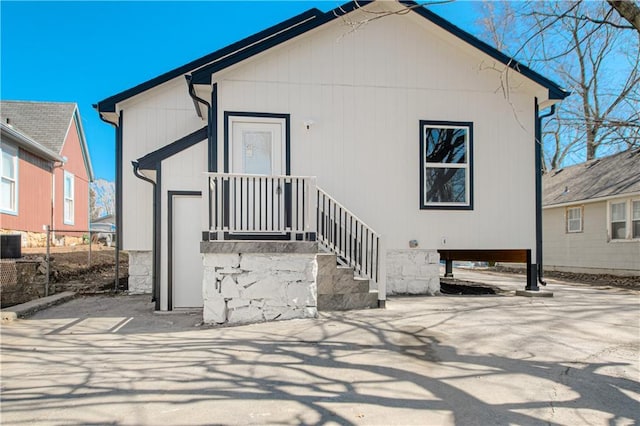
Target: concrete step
339,289
345,271
343,285
347,302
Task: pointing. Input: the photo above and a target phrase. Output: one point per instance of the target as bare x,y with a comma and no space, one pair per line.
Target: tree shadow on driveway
406,365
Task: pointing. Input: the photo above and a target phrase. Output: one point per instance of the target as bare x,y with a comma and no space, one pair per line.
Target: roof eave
203,75
152,159
83,144
591,200
555,91
29,144
108,105
202,69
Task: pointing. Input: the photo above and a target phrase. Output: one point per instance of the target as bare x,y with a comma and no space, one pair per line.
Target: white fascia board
111,117
29,144
547,103
83,143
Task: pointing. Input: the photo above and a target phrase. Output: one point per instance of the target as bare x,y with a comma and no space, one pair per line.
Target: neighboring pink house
46,170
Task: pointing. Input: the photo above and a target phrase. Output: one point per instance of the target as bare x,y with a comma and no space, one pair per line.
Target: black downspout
537,273
212,134
118,211
210,112
192,92
212,139
154,244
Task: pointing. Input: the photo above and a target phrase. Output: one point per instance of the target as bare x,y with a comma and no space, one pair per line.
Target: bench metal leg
448,269
532,274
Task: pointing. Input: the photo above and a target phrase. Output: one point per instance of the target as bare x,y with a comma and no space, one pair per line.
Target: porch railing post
312,207
239,203
381,275
207,205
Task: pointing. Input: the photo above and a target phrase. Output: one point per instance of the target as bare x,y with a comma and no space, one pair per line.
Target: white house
387,146
592,216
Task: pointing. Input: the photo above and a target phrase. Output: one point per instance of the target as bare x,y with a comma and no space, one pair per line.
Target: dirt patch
73,268
590,279
461,287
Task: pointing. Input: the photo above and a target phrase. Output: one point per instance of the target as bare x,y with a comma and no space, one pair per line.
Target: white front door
187,268
257,148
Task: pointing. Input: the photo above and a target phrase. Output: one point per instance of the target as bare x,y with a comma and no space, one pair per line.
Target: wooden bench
508,255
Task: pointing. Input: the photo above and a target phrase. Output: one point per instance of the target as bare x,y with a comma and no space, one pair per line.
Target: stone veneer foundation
39,239
413,271
253,281
140,272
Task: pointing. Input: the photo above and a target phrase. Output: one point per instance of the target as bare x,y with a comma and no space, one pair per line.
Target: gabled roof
45,123
109,104
607,177
555,91
203,67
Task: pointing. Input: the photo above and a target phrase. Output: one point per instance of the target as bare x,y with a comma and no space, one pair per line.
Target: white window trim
581,220
631,220
467,165
70,221
628,220
13,151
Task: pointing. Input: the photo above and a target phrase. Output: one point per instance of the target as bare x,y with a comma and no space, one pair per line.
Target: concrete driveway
482,360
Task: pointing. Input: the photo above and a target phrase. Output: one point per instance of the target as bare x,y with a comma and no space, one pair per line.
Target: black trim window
446,165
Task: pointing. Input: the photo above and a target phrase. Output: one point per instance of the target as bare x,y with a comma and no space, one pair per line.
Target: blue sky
84,52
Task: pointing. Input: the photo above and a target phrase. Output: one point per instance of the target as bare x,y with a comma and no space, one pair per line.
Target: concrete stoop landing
339,289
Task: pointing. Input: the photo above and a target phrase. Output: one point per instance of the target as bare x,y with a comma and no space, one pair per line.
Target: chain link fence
84,261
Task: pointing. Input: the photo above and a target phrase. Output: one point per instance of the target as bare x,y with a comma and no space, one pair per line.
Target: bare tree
628,10
101,198
591,50
370,14
94,211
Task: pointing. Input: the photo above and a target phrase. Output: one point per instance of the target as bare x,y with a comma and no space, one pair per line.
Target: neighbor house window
619,220
635,219
446,166
9,180
574,219
68,198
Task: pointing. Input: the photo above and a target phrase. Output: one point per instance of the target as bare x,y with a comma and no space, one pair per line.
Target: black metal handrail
355,243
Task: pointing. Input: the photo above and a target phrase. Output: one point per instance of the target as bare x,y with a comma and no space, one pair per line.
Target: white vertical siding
367,92
589,249
182,172
151,120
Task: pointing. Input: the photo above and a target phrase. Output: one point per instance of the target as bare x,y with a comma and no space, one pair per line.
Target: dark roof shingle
617,174
44,122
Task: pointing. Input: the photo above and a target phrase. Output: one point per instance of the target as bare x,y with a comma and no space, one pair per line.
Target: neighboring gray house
591,216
